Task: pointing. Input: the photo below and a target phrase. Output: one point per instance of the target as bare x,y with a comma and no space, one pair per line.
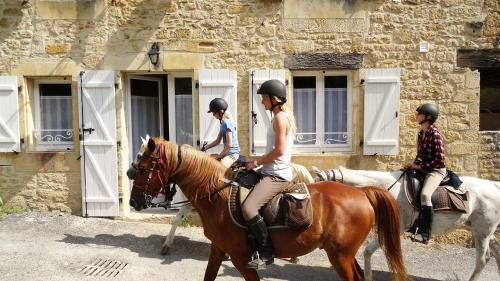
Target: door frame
128,105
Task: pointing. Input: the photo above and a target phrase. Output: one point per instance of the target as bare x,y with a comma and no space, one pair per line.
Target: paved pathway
57,247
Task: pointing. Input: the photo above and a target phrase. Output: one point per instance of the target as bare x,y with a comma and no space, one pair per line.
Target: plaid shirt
430,149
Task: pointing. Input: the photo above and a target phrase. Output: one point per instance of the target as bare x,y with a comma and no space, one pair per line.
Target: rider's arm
229,144
280,127
215,142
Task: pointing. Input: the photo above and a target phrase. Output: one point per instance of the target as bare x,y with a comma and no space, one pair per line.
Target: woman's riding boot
427,214
263,254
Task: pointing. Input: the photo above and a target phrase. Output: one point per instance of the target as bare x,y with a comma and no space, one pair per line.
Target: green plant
4,210
186,221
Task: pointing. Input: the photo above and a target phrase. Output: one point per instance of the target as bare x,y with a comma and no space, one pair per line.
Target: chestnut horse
343,215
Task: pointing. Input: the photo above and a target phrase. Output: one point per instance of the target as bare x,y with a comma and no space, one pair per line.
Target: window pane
145,111
55,113
335,110
184,111
304,109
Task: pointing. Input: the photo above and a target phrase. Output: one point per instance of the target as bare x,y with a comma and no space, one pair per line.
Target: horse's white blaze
483,218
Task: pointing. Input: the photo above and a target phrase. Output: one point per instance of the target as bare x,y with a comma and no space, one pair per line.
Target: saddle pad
272,212
445,198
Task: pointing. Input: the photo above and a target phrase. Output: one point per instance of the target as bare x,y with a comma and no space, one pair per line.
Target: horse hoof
294,260
165,250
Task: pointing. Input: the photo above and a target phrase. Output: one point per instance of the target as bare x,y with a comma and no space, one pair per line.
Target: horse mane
197,169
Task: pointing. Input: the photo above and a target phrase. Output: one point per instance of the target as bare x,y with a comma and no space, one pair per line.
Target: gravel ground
47,246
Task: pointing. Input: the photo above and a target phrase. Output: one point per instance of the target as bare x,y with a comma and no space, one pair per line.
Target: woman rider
430,160
276,170
227,134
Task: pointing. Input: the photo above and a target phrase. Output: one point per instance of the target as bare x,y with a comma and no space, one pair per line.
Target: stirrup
258,263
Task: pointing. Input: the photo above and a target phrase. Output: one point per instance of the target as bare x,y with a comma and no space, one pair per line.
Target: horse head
148,174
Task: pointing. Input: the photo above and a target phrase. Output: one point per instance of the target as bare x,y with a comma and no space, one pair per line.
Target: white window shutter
259,131
215,83
9,115
99,154
381,120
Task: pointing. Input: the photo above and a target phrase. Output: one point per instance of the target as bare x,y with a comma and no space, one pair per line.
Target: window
53,115
322,109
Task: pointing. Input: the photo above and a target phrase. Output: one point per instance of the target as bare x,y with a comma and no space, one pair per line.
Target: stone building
355,71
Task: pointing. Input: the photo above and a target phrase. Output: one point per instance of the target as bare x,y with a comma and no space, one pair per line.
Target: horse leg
214,262
171,235
495,250
481,243
345,265
369,250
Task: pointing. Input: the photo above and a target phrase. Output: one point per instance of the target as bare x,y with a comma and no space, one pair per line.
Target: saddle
449,196
291,208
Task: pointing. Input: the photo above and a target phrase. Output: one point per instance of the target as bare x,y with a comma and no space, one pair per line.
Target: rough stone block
472,79
462,148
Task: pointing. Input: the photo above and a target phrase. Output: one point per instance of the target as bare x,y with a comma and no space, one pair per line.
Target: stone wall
242,35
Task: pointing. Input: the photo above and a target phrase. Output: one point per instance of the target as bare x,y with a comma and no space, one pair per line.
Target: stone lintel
324,61
481,58
44,68
183,61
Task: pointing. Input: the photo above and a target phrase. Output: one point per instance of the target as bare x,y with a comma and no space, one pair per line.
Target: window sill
51,148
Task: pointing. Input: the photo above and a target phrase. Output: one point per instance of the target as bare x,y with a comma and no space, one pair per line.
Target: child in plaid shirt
430,159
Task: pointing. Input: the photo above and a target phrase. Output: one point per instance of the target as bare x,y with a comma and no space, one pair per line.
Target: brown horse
343,215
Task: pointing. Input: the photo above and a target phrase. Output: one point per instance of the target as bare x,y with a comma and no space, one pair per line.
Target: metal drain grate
104,268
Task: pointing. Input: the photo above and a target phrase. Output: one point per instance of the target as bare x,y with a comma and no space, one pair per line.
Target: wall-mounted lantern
154,53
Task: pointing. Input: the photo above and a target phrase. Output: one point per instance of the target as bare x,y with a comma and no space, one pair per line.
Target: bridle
159,161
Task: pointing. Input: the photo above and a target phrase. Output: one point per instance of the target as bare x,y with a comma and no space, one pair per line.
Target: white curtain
304,108
335,115
145,119
184,119
55,119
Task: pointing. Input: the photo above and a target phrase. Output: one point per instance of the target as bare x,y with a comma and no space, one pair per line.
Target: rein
342,175
402,174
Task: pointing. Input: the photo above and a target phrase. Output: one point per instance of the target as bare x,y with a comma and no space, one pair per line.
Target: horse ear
151,145
144,142
316,170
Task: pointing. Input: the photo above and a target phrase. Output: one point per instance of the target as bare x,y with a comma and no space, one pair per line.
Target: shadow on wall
121,29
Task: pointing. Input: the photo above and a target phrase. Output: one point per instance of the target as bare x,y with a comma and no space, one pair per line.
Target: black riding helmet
429,110
273,88
217,105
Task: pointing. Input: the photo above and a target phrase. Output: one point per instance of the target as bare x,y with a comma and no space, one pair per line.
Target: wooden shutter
9,115
381,120
99,156
259,132
215,83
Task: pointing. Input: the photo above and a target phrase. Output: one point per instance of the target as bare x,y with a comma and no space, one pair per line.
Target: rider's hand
215,156
250,165
416,167
203,149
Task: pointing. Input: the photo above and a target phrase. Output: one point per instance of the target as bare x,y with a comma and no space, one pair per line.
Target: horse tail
387,223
